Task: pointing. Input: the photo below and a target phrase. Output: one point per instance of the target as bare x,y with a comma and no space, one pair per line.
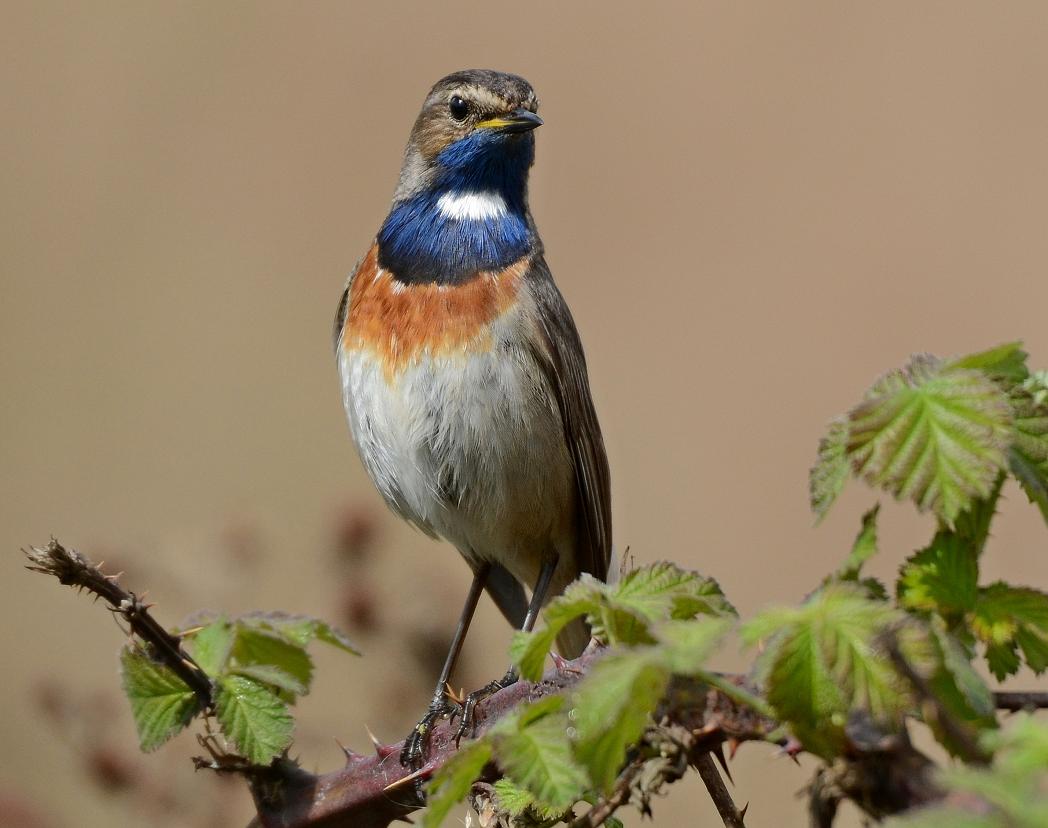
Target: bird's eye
458,107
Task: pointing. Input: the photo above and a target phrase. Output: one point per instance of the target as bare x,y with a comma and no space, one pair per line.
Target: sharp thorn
558,661
733,747
411,777
718,753
745,808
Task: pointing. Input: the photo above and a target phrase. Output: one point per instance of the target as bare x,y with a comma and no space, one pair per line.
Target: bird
463,375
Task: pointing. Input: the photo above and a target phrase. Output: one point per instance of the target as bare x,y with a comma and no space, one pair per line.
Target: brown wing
565,364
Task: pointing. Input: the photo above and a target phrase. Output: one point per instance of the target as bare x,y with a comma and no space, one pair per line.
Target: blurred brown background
753,209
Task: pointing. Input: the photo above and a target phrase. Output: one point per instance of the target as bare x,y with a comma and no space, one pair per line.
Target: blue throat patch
420,244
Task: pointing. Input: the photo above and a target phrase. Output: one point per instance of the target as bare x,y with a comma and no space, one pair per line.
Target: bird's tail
573,639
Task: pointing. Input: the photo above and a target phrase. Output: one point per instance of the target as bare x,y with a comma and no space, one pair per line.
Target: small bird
463,375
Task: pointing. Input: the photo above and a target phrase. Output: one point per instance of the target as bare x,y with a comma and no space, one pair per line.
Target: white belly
469,448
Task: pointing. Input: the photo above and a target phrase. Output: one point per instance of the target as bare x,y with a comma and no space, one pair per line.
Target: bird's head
474,132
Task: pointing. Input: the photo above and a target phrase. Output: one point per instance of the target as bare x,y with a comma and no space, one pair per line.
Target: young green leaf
864,548
528,650
663,590
257,653
611,706
452,782
161,703
943,577
1008,619
831,469
1028,458
298,629
212,645
1008,794
535,752
254,718
821,663
937,435
684,646
1005,363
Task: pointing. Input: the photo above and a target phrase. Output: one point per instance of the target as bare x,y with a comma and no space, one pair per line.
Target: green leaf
1007,794
1028,457
936,435
943,577
536,754
685,645
298,629
831,469
611,706
257,653
1008,619
161,703
212,645
254,718
513,799
946,667
864,548
663,591
1005,363
452,782
528,650
820,664
272,675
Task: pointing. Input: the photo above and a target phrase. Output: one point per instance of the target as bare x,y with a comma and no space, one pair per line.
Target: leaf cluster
258,665
662,621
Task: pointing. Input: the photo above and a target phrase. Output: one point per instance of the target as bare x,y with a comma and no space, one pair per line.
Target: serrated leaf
952,681
212,645
935,435
272,675
1028,457
1005,363
685,645
1007,794
256,648
254,718
161,703
943,577
663,591
1008,619
528,650
452,782
820,664
830,472
513,799
864,548
299,629
611,706
537,756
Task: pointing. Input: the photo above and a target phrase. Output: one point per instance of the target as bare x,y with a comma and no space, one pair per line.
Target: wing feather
562,358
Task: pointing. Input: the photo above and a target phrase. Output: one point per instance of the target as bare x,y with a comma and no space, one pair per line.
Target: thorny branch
73,569
691,724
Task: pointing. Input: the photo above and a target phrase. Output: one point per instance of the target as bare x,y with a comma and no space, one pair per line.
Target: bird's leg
414,746
538,598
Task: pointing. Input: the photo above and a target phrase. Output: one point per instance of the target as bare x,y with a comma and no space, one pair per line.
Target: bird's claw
475,698
413,753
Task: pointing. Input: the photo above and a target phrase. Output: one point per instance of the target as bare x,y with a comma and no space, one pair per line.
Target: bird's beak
520,120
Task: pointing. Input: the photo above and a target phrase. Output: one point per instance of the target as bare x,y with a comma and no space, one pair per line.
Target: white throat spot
477,206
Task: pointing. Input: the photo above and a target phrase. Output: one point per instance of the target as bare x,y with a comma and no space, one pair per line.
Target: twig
73,569
1020,700
599,813
731,816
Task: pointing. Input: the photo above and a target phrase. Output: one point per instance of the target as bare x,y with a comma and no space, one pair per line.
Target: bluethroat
463,375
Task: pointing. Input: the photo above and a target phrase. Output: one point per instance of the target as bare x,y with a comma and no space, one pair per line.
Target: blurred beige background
753,209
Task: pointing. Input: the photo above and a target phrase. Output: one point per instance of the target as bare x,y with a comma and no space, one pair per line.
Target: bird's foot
476,697
413,753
